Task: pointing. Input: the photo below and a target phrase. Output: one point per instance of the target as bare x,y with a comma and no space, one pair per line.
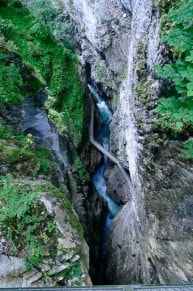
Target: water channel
98,178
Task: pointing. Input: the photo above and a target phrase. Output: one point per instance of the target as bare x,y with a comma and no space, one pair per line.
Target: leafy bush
177,111
188,149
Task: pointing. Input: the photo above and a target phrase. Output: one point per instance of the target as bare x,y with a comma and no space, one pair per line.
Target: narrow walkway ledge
184,287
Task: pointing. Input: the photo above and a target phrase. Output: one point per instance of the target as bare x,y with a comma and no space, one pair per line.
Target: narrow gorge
81,130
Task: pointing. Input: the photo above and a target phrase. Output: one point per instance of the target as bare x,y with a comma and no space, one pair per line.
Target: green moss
142,89
116,101
123,74
65,203
139,121
23,154
148,162
5,133
166,5
156,143
52,63
100,71
24,222
73,218
10,82
140,66
79,166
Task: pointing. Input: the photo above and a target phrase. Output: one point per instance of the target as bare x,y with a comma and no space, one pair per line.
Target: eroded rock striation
151,239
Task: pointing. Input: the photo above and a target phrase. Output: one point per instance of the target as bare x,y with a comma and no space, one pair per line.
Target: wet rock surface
151,239
70,263
117,188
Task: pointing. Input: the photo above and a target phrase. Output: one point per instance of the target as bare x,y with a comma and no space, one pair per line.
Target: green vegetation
101,72
32,60
53,16
188,149
25,223
73,219
142,89
29,229
139,121
116,100
16,78
10,78
166,5
23,155
79,166
54,64
123,74
177,111
71,272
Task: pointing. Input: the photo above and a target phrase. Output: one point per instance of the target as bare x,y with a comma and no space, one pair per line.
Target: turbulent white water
95,93
104,111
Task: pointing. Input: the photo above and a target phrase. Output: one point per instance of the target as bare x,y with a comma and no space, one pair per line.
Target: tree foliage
177,111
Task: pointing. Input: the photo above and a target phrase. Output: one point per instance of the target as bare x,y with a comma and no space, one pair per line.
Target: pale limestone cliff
151,238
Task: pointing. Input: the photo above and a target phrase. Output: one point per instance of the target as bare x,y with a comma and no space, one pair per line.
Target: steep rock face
54,270
151,239
101,26
64,255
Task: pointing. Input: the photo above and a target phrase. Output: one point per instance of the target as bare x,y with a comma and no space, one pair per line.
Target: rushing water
98,178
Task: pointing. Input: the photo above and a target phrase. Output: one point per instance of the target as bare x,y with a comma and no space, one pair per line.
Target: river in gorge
98,178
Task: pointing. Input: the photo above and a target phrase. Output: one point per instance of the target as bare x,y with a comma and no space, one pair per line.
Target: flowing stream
98,178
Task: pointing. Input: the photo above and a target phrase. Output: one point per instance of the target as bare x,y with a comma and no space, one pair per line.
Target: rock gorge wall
66,261
152,237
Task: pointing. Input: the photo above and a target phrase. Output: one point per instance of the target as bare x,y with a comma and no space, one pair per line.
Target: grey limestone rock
13,272
151,239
